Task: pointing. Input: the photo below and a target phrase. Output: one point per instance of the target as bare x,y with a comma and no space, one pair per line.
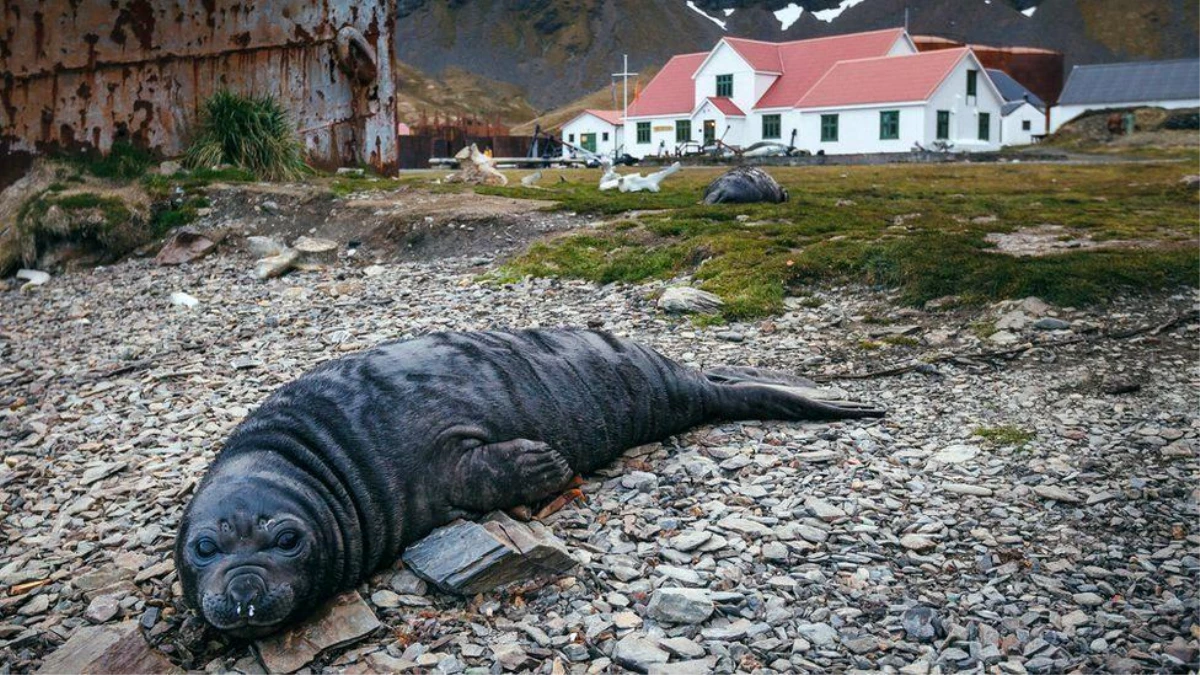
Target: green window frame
985,126
772,126
643,133
889,125
943,125
829,128
683,131
972,82
725,86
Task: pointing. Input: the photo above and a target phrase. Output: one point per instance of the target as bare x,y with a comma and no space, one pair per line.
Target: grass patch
103,224
250,133
1005,435
755,255
124,161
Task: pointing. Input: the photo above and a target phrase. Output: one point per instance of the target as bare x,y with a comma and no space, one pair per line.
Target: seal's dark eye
288,541
206,548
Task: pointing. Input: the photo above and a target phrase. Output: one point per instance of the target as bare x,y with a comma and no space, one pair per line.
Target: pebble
680,605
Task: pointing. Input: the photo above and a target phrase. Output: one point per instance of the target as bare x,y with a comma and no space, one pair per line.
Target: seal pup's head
250,555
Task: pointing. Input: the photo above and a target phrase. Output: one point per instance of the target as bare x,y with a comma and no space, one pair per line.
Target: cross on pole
625,85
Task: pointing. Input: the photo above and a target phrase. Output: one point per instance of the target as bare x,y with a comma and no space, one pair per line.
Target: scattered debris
276,266
466,557
181,299
315,254
264,247
651,183
351,172
685,300
345,619
186,246
532,179
745,185
476,168
107,650
610,179
33,278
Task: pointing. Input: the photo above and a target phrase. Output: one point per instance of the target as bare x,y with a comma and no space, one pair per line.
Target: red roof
801,62
883,80
762,56
726,106
613,117
672,91
804,62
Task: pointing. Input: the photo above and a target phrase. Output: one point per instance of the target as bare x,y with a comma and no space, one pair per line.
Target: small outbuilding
1023,114
596,131
1142,84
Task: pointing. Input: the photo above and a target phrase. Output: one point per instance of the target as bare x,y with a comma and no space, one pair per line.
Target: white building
1023,114
860,93
1158,84
598,131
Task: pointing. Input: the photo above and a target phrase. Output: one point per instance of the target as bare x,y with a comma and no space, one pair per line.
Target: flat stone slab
107,650
466,557
345,619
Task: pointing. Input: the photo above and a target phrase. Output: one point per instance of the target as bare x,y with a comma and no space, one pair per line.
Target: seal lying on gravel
744,185
337,471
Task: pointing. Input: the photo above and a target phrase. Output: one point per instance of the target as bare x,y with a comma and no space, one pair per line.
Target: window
829,128
985,126
972,82
889,125
643,132
606,136
772,126
683,131
943,128
725,86
1026,125
571,139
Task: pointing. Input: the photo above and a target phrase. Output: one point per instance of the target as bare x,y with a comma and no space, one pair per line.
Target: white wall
1060,115
964,112
725,61
590,124
1014,134
662,131
902,47
858,130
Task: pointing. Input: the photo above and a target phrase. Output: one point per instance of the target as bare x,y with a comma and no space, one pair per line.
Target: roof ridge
960,50
1135,63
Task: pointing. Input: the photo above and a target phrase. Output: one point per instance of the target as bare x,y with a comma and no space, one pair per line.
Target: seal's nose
244,590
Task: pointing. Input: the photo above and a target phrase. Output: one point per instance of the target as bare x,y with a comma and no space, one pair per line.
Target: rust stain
84,74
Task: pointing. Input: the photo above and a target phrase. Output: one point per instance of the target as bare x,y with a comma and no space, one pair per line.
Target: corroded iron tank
82,74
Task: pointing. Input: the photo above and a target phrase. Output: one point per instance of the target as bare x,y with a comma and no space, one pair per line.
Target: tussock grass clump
124,161
251,133
100,227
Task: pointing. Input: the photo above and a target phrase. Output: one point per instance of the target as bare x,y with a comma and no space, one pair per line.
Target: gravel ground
909,544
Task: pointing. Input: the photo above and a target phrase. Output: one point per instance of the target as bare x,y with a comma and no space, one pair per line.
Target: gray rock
639,480
917,542
824,510
680,605
102,608
466,558
510,656
688,300
1003,337
276,266
955,454
405,582
264,247
819,634
921,623
1015,320
682,647
638,652
1056,493
690,540
1088,599
1050,323
732,630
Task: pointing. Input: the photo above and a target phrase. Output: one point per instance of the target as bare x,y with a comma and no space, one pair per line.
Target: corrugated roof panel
1143,81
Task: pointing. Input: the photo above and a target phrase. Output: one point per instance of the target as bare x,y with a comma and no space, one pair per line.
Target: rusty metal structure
78,75
1039,70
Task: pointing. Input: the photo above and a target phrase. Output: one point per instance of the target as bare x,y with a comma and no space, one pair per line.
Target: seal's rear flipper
756,400
503,475
745,374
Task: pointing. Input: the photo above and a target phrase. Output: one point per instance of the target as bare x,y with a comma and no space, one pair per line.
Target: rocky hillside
558,50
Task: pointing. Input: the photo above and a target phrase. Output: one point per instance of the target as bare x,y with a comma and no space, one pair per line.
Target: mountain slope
558,50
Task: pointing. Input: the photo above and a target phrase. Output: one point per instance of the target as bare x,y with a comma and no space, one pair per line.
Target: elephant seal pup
744,185
337,471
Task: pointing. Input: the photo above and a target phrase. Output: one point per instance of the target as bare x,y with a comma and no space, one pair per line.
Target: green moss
124,161
754,255
901,341
869,345
1005,435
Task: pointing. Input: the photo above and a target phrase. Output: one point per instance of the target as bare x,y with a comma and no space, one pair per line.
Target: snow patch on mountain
828,15
1029,10
788,15
692,6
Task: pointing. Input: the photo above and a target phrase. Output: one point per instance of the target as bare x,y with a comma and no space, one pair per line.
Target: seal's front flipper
503,475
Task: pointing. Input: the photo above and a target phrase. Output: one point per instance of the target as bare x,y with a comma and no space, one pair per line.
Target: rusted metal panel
80,74
1039,70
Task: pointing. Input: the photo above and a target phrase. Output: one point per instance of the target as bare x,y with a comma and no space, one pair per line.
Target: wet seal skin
337,471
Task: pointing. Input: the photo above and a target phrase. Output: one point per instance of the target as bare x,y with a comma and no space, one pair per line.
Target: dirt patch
407,223
1050,239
